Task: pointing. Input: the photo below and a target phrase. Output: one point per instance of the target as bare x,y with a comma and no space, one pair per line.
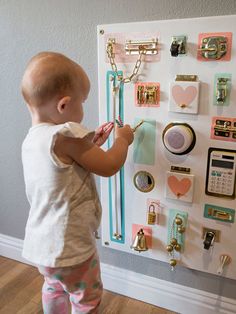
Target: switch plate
217,233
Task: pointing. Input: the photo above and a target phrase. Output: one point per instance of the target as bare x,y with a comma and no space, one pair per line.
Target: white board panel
163,71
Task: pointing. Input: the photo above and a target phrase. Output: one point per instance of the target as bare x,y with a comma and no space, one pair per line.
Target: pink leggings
80,284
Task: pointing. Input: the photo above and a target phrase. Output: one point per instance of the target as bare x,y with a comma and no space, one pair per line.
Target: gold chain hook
111,57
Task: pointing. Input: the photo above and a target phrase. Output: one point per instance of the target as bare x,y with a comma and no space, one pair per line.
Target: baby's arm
93,158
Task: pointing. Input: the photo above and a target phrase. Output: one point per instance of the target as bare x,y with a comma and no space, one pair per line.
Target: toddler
58,156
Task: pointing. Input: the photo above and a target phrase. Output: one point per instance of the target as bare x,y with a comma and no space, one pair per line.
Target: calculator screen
222,164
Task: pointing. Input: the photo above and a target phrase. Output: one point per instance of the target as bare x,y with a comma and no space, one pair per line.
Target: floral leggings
80,284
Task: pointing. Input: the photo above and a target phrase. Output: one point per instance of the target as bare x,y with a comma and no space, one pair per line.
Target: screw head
101,32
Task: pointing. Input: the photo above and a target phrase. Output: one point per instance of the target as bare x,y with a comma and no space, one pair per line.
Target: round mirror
144,181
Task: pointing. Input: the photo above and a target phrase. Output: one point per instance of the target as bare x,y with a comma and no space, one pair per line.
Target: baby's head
54,88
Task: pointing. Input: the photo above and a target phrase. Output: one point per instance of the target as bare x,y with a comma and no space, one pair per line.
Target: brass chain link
110,54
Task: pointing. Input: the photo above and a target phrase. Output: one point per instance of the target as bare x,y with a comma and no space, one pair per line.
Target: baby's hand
126,132
102,133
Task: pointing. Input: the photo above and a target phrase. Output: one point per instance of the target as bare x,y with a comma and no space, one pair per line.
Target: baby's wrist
122,139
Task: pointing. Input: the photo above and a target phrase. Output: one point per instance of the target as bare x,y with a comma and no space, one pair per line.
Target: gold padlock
151,217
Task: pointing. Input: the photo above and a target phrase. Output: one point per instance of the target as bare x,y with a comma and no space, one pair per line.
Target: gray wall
69,26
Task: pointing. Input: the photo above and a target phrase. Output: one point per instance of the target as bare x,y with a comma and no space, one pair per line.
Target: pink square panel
147,231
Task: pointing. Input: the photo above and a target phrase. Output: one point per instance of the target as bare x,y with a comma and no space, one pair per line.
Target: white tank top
65,210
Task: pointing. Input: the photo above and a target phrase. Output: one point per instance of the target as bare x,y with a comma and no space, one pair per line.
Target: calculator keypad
220,182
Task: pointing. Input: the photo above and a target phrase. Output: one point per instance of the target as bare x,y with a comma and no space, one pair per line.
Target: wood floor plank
23,297
30,308
12,273
20,293
6,265
9,291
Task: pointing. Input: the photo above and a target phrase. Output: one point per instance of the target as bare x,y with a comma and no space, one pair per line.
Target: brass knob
173,262
178,247
169,248
178,221
173,241
181,229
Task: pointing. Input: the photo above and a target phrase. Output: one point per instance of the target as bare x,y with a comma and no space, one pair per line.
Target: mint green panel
179,236
145,142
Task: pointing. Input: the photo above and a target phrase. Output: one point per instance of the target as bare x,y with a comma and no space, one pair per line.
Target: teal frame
121,172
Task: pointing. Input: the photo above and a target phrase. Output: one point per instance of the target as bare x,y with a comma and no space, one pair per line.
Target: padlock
151,217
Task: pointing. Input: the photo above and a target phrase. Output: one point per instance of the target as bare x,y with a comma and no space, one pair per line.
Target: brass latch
221,90
223,128
135,47
214,47
219,214
147,94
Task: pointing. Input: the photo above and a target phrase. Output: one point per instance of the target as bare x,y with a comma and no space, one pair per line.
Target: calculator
221,172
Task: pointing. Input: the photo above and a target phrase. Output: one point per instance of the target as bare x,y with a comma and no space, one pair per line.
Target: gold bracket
135,47
187,78
180,169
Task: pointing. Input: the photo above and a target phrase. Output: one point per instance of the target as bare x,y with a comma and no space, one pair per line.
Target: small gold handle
208,49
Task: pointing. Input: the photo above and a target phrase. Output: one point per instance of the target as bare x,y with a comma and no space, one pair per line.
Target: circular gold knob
173,262
178,221
169,248
181,229
173,241
178,247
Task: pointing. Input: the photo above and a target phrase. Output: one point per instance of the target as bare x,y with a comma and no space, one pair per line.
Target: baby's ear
63,103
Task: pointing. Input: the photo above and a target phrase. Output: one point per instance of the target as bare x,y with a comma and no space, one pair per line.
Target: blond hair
48,75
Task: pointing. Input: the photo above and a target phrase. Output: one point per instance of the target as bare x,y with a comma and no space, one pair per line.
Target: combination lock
151,216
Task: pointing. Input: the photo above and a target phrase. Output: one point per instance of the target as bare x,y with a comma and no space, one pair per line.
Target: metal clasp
223,128
147,94
178,46
214,47
221,90
135,47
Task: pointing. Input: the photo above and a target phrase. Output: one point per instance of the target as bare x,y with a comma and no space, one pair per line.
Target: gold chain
110,54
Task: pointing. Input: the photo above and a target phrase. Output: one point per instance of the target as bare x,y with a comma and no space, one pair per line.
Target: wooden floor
20,293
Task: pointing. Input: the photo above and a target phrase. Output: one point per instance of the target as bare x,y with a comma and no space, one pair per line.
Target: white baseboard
158,292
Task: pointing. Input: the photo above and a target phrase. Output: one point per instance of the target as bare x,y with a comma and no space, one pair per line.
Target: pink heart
182,96
179,187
